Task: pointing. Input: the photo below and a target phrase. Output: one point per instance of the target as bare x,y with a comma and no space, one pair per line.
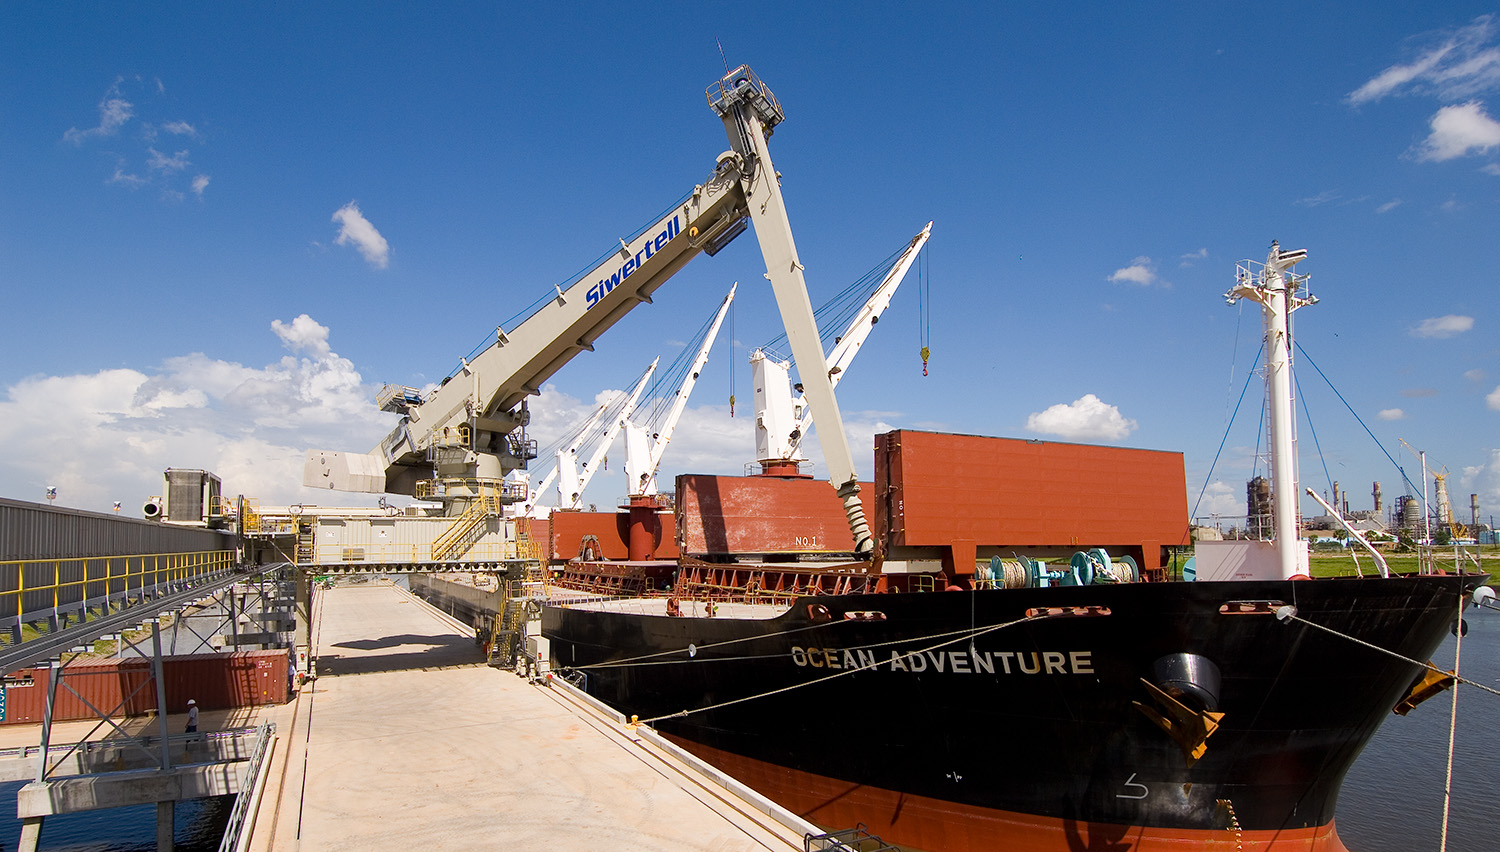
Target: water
1392,798
198,826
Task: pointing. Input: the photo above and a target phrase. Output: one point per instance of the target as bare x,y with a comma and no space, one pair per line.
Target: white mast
1274,286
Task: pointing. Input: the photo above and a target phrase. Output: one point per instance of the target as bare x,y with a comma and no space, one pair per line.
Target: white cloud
1388,206
1491,169
1456,64
1442,327
1493,399
356,229
1085,418
1484,480
1185,261
1324,197
1391,414
1140,271
123,177
114,111
303,334
1459,130
1474,375
1223,501
109,435
139,163
162,163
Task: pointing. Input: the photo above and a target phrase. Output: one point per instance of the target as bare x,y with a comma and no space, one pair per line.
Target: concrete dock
406,741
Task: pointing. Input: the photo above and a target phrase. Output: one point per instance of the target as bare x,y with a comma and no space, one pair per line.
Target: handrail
162,569
248,786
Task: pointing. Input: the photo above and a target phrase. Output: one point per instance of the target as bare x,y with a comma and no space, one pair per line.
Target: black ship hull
1033,718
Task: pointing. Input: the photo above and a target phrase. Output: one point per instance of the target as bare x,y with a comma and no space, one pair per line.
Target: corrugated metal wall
215,681
38,531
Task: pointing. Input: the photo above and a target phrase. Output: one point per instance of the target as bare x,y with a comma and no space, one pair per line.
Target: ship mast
1274,287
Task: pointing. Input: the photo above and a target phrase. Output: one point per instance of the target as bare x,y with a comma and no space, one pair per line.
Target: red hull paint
934,825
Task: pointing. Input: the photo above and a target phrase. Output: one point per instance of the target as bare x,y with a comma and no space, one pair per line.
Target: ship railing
857,839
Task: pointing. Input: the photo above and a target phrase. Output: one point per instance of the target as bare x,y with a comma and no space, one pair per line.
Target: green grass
1341,565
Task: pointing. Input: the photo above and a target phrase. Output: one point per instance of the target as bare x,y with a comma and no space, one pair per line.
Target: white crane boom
750,112
461,434
459,437
642,453
784,441
571,482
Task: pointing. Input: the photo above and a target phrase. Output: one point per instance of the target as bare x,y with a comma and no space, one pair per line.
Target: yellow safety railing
366,553
69,580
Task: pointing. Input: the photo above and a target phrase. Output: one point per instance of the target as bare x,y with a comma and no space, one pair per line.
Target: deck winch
1086,568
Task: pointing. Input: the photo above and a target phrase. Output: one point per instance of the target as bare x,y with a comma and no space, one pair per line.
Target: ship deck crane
643,452
782,417
458,441
582,438
571,481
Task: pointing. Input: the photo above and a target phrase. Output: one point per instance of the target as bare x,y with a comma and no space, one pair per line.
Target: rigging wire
565,285
834,315
1426,667
729,320
1307,416
924,305
1356,415
1209,478
962,634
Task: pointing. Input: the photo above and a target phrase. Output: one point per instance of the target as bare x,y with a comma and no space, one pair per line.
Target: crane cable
924,305
729,321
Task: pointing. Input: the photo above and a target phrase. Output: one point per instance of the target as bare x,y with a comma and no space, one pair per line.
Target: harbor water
1392,799
198,826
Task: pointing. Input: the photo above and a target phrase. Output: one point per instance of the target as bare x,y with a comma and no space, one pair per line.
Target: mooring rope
961,635
1458,648
1293,616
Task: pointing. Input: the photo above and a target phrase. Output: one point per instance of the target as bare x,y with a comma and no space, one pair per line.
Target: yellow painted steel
161,568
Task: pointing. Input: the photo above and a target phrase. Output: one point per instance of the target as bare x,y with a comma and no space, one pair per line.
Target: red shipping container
763,514
122,685
964,493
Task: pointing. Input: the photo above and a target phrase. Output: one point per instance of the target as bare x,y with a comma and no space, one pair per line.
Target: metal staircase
459,536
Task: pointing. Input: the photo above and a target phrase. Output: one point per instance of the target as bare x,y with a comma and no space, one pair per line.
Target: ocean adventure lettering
653,245
968,661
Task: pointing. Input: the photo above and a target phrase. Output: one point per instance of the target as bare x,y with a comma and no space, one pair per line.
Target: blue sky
223,226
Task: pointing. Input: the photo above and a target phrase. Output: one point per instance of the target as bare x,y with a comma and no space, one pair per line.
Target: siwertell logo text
653,245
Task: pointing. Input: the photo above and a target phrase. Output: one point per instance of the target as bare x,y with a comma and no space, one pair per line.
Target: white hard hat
191,701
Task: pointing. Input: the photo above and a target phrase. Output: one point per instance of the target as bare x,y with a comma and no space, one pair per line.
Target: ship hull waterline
1014,718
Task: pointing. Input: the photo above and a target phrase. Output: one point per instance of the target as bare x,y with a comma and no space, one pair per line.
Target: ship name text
968,661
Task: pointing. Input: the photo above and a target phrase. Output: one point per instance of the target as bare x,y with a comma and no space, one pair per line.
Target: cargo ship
1019,665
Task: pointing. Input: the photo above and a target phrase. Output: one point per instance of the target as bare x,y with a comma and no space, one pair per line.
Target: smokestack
1377,497
1474,509
1338,505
